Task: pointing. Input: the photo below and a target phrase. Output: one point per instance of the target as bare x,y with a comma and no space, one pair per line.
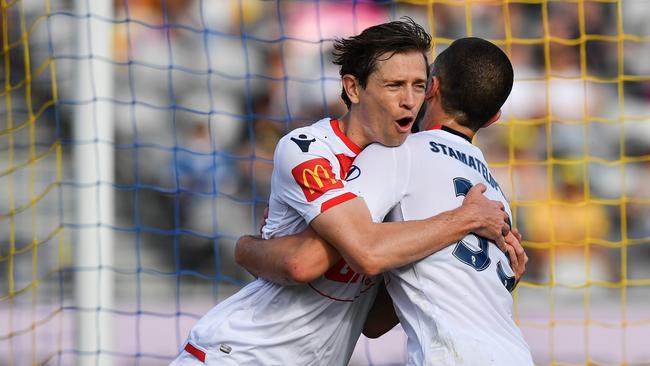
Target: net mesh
203,91
31,227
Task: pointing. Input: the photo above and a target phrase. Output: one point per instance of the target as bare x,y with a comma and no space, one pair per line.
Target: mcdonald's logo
315,177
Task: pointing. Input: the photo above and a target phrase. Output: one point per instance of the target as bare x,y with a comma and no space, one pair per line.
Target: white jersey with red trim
314,324
455,305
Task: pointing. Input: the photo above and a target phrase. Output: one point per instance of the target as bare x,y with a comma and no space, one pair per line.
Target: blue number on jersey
507,281
479,260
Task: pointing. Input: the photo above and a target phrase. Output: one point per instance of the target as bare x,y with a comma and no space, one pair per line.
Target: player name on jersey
468,160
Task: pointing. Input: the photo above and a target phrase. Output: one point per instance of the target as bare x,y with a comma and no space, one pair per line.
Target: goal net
136,144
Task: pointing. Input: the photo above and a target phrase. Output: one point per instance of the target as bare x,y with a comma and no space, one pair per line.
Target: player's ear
493,119
351,87
433,89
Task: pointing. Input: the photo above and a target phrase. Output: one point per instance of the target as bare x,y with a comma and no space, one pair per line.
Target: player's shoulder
427,135
312,139
383,157
418,138
378,152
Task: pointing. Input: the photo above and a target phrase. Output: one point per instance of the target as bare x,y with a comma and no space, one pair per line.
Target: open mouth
404,122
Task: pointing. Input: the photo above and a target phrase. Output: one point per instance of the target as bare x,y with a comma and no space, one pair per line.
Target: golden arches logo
316,177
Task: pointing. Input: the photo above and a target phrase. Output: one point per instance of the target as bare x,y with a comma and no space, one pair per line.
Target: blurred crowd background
205,89
573,148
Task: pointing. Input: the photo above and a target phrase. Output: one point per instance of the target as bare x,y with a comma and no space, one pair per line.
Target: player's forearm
288,260
395,244
373,248
263,259
311,259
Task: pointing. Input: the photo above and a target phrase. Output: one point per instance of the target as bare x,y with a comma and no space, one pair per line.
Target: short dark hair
358,55
475,79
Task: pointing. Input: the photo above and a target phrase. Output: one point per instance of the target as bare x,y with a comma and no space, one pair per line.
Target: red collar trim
346,140
435,127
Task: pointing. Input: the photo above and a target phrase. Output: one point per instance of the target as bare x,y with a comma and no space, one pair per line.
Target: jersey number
477,259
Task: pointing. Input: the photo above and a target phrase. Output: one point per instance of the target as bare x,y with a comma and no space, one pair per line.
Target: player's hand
516,253
264,217
490,217
517,235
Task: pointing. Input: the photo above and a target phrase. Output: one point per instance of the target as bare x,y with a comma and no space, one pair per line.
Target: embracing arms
372,248
368,247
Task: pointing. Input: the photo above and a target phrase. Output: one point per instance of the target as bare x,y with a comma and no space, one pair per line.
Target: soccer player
454,305
384,74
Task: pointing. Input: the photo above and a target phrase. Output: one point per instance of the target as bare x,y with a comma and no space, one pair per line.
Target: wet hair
475,80
358,55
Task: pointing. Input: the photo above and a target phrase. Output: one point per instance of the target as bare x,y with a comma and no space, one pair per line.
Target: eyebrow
386,80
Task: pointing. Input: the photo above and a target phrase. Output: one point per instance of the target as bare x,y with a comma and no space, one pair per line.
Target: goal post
94,176
137,140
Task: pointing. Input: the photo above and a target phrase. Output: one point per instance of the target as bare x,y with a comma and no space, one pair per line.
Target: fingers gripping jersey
314,324
454,305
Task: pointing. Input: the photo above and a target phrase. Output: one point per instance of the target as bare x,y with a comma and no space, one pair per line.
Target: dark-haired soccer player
384,73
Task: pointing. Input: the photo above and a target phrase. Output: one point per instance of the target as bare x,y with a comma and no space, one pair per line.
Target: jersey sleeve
307,175
382,178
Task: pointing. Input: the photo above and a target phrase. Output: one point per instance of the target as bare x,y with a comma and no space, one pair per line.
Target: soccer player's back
454,305
467,284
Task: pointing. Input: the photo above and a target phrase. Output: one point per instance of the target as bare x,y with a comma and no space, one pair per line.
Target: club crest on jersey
303,142
315,177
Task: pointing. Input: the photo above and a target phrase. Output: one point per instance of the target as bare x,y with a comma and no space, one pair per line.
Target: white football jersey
455,305
314,324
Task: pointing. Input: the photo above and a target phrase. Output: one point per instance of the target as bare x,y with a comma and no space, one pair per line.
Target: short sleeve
307,175
381,178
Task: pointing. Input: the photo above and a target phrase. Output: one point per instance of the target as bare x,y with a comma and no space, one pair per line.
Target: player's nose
409,99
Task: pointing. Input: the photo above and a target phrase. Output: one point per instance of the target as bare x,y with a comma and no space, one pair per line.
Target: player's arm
301,258
288,260
373,248
381,317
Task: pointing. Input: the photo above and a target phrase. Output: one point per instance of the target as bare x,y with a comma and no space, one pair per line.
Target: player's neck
353,130
459,128
444,120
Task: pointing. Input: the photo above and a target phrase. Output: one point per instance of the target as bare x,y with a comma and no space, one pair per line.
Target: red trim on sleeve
195,352
346,140
336,200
